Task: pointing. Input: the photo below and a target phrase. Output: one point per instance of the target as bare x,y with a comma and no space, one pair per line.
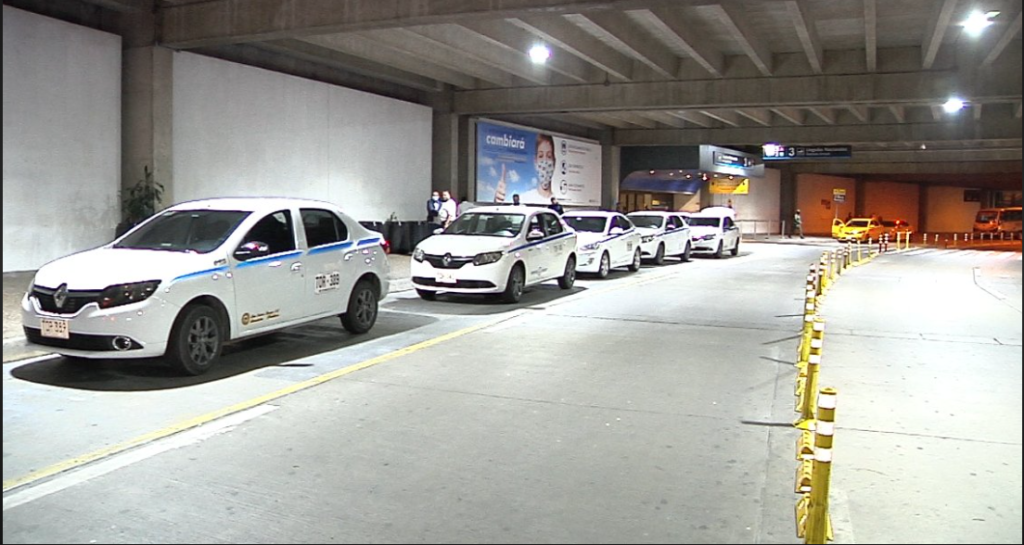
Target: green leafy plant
141,200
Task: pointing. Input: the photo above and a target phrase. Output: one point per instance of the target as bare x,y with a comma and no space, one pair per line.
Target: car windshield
696,221
648,222
986,217
198,231
858,224
487,224
587,224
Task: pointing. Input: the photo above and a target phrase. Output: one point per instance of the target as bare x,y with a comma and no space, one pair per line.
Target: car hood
649,231
464,245
703,230
582,239
102,267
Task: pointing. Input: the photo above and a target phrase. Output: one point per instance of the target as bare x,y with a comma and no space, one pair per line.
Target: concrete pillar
787,195
922,208
445,163
146,106
860,197
611,164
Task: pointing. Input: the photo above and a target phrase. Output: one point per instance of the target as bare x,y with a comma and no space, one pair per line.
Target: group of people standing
442,209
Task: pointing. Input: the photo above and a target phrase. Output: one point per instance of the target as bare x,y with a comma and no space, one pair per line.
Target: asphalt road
646,408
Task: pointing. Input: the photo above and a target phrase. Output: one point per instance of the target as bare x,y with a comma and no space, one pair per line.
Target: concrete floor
648,408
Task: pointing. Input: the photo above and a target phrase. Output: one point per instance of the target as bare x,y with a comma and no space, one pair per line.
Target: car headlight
706,237
590,247
646,239
126,294
487,258
418,254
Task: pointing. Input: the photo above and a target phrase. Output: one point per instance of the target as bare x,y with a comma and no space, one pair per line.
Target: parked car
203,273
861,229
605,240
496,249
662,234
894,227
998,220
714,230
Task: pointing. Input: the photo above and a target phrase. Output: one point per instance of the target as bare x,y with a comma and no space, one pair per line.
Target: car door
268,275
532,253
625,244
731,233
557,246
330,261
675,236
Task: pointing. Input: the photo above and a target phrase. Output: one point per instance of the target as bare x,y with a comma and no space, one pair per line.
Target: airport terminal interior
531,271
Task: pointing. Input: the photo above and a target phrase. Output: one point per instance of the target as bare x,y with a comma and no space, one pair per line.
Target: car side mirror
616,231
535,234
252,250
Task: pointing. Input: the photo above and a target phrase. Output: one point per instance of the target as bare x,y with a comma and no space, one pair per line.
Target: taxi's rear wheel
605,267
196,340
515,285
635,265
568,278
659,256
427,295
362,308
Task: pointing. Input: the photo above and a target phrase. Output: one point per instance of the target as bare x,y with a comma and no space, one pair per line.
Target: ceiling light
978,21
953,105
540,54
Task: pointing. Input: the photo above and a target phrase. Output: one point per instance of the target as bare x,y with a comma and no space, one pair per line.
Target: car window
1011,215
487,224
624,223
198,231
647,221
673,223
551,224
587,224
729,223
275,230
323,227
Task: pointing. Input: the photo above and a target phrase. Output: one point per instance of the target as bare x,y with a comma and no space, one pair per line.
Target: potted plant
139,201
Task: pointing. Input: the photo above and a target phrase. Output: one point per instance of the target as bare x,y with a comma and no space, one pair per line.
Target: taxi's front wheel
515,285
362,308
196,340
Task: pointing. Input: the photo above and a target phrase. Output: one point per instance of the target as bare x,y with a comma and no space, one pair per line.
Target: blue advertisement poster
536,166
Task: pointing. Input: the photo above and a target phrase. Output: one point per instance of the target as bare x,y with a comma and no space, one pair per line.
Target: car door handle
296,267
274,264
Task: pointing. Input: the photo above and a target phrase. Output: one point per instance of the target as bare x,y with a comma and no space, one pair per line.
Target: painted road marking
125,459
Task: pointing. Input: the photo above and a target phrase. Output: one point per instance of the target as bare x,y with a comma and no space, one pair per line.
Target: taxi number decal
629,246
327,282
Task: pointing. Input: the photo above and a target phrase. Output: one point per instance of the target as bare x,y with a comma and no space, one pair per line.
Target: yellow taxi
862,229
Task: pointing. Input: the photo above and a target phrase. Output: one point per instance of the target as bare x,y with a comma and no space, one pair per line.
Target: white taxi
496,249
714,230
203,273
662,234
604,240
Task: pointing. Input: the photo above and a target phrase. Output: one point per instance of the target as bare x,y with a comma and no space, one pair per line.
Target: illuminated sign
780,152
731,160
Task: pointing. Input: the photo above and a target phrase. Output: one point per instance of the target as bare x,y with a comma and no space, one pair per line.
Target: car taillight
386,245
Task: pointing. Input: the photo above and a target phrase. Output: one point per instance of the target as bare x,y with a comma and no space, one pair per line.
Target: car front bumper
704,246
138,330
589,262
469,278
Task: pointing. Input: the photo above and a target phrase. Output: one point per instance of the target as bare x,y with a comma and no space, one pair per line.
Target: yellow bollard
823,273
860,253
819,525
834,270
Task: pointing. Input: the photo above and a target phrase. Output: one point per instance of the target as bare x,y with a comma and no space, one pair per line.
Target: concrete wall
242,131
947,212
62,138
890,200
686,203
814,199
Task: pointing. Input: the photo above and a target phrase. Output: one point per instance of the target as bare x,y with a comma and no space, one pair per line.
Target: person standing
798,224
433,207
449,210
556,207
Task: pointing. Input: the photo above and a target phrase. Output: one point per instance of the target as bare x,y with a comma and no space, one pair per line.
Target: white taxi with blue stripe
203,273
496,249
662,234
605,240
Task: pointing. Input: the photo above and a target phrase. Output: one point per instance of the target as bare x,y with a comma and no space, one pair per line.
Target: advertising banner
536,166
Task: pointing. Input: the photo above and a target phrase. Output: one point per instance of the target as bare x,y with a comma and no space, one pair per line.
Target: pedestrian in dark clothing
433,207
556,207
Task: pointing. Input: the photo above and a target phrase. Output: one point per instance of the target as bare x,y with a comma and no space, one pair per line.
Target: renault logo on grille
447,260
60,296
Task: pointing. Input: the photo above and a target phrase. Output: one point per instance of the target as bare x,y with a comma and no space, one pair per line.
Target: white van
998,220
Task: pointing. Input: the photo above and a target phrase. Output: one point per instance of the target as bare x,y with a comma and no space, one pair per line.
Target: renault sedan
662,234
203,273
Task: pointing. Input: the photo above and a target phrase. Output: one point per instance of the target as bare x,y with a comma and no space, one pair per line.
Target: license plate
445,278
54,329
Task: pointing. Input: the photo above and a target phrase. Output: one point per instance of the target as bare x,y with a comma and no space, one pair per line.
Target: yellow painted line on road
73,463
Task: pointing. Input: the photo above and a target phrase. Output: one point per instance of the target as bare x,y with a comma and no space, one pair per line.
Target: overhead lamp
953,105
540,54
978,22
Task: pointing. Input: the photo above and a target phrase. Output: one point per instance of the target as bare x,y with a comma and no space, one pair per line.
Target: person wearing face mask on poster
544,167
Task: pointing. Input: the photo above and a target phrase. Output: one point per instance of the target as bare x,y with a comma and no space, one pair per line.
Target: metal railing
761,229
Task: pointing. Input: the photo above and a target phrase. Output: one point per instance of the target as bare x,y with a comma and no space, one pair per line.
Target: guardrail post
807,379
819,525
